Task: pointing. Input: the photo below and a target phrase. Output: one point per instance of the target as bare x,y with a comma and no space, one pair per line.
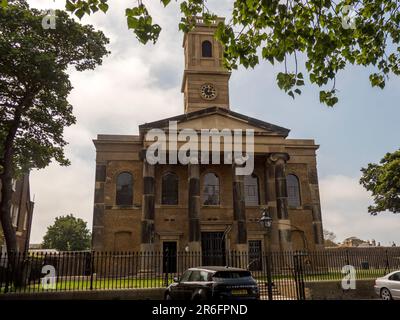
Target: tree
34,86
329,235
329,238
383,180
1,237
67,234
329,34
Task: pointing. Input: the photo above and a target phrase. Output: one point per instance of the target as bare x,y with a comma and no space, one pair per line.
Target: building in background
207,207
352,242
21,212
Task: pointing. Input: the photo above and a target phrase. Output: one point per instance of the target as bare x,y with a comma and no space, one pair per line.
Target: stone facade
21,212
147,224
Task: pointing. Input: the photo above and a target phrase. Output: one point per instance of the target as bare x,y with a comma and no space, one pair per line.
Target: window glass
232,274
293,190
195,276
204,276
25,219
395,277
185,276
211,189
14,215
251,190
206,49
170,188
124,189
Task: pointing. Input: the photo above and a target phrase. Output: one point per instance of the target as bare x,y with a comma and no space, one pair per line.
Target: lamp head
266,220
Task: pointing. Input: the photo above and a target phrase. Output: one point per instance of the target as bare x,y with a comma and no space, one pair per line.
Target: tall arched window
169,188
251,190
211,189
206,49
124,196
293,190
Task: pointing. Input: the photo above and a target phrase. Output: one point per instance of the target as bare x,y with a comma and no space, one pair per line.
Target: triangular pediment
218,118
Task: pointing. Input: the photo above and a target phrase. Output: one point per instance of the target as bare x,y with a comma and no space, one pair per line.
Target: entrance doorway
169,256
213,248
255,255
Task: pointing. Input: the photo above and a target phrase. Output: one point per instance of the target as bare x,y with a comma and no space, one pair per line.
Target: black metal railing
88,270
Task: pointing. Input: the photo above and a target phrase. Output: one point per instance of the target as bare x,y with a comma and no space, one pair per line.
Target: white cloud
60,191
138,83
129,89
344,211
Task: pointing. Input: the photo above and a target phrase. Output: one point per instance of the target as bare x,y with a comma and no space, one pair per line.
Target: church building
207,207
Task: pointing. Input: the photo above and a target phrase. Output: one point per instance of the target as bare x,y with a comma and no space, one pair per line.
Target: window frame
395,277
177,189
204,49
14,215
299,205
132,189
202,199
257,190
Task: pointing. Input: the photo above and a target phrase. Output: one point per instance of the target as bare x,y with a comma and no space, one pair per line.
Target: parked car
388,287
206,283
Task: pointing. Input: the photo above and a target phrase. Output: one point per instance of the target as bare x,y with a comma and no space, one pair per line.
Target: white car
388,287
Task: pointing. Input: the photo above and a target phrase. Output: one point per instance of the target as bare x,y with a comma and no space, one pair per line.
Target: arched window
211,189
124,195
251,190
206,49
293,190
169,188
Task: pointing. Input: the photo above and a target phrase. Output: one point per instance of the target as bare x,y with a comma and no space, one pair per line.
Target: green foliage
3,4
67,234
319,30
34,84
139,20
383,180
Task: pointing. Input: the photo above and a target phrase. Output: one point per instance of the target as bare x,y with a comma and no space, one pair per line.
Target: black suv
205,283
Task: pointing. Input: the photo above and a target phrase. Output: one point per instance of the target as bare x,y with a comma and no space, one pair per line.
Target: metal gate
255,255
286,276
213,249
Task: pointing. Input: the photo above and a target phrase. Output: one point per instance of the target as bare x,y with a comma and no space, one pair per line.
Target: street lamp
266,222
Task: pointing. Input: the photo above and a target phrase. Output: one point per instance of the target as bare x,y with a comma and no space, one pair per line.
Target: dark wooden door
169,257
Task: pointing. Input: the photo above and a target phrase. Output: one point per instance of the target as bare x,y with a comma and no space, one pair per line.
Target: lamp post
266,222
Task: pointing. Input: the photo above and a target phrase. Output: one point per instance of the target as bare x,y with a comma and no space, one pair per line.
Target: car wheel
385,294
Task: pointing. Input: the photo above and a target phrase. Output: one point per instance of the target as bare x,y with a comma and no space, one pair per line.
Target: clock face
208,91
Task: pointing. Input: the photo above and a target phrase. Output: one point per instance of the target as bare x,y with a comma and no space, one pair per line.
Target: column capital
277,157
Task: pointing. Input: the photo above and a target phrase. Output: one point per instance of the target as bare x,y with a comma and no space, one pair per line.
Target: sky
141,83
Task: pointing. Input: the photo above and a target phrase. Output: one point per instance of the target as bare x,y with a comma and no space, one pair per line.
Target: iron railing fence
89,270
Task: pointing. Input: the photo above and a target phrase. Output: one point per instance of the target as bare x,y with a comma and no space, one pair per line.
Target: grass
159,282
333,274
98,284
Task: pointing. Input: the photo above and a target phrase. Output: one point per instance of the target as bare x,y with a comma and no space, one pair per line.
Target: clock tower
205,80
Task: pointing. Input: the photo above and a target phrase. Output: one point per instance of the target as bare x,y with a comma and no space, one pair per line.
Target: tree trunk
6,176
6,222
5,206
6,161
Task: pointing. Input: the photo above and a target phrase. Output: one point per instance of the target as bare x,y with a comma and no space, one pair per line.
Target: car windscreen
231,274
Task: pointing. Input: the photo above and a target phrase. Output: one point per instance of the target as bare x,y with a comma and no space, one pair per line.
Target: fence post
91,269
166,265
387,262
7,257
298,271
